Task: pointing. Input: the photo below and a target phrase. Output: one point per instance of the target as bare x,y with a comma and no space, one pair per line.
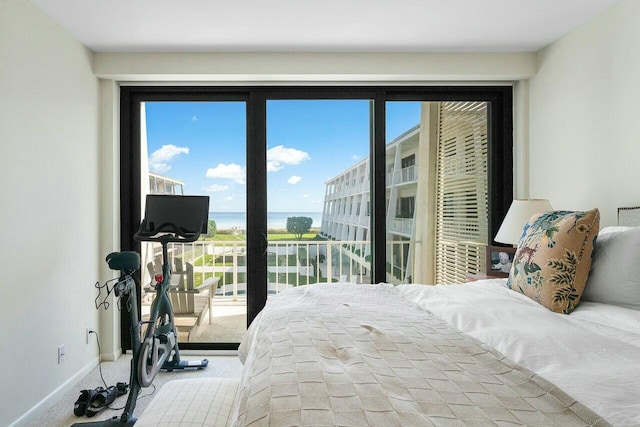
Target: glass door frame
130,180
500,164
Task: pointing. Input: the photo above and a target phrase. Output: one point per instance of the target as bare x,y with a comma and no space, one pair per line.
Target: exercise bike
168,219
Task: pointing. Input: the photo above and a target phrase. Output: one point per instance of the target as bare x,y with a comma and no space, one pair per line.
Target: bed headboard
629,217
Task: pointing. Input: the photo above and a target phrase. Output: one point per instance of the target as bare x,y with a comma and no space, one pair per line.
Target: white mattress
592,354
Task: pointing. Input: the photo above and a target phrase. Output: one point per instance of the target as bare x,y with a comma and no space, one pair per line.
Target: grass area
271,236
282,260
220,261
227,238
225,278
227,260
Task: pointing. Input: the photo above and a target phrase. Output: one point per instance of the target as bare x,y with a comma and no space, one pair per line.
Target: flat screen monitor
189,213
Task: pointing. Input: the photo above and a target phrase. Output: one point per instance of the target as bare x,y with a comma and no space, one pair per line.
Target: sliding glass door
308,185
199,148
318,192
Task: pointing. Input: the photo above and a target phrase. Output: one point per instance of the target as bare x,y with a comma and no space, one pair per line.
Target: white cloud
159,159
279,156
229,198
231,171
294,179
216,188
306,196
194,118
355,157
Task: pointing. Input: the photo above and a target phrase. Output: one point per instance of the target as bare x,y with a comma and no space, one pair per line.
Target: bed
471,354
316,348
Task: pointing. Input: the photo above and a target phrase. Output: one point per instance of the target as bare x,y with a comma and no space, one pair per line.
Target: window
385,239
406,207
408,161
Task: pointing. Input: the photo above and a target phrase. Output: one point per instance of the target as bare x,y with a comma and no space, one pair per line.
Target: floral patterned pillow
552,262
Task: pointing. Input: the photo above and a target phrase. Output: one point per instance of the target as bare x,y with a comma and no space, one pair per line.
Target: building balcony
403,176
401,225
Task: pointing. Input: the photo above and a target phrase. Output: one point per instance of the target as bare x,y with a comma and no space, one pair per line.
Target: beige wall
584,144
49,219
267,68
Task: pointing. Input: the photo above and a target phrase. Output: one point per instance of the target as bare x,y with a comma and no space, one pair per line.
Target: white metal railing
402,176
289,263
401,225
400,261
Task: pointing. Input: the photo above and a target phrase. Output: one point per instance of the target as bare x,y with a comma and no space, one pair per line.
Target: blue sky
308,141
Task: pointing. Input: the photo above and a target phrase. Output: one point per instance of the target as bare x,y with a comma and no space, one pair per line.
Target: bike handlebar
167,232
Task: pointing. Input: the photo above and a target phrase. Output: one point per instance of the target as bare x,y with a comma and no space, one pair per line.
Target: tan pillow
552,262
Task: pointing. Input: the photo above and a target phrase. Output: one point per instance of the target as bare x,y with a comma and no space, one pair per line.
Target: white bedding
592,354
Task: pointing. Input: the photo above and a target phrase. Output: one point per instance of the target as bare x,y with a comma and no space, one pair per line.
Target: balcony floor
228,323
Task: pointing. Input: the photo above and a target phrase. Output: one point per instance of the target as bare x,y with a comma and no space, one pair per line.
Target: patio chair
189,303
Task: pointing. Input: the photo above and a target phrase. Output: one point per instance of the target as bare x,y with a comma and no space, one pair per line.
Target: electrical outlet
60,354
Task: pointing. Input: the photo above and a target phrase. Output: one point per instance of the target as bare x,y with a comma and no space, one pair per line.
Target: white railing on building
399,262
401,225
402,176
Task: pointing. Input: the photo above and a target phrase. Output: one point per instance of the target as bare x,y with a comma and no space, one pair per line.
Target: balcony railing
401,225
402,176
289,263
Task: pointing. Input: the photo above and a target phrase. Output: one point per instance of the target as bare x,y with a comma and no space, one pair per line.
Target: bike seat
123,261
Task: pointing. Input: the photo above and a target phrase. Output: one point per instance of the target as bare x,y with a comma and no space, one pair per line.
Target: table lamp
519,213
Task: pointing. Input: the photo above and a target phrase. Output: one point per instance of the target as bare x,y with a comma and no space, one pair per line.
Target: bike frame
159,347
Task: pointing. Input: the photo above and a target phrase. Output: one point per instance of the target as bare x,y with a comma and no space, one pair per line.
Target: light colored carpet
61,414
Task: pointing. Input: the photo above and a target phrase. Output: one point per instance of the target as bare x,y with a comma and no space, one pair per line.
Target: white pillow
615,270
613,229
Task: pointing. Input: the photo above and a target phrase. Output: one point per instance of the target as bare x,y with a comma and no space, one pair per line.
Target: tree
299,225
211,228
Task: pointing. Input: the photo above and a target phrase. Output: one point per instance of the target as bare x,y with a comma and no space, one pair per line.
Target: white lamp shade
517,216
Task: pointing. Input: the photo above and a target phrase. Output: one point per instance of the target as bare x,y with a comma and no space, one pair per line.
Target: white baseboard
111,357
41,407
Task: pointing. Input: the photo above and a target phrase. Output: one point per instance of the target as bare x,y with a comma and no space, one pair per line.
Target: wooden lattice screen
461,206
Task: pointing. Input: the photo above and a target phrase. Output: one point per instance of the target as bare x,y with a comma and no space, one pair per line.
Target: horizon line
242,212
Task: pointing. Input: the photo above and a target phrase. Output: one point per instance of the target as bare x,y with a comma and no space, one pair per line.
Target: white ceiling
320,25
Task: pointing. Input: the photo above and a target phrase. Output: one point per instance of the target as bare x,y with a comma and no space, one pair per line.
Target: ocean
228,220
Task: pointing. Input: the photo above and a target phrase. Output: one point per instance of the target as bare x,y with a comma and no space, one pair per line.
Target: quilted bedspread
356,355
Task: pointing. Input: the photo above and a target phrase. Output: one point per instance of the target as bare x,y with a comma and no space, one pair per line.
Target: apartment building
347,203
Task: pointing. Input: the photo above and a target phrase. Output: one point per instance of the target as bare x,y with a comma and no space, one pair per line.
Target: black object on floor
100,401
80,407
92,402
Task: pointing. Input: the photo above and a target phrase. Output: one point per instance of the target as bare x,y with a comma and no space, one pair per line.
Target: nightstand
480,276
